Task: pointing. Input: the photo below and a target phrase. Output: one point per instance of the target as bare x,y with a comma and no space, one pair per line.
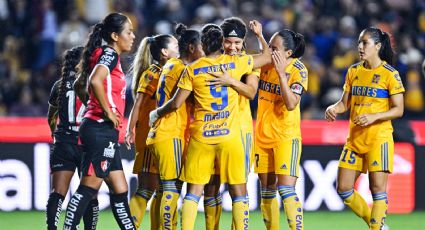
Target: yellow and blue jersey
216,109
370,91
275,123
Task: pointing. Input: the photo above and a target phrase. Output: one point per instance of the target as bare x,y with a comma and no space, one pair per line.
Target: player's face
276,44
367,47
126,37
232,45
172,50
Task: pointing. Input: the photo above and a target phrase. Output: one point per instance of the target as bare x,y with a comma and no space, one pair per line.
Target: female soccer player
101,69
373,92
278,132
151,55
166,141
234,31
215,131
66,154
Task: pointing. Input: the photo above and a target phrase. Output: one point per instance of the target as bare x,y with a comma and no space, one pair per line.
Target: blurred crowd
34,33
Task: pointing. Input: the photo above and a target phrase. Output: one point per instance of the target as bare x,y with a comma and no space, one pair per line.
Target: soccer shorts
101,148
65,156
144,160
201,159
283,159
378,159
169,154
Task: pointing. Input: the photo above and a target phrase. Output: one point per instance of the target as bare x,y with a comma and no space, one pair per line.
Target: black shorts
65,156
101,148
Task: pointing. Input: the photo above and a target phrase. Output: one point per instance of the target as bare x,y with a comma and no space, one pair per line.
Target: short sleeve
186,80
395,85
299,81
348,81
108,58
54,93
148,83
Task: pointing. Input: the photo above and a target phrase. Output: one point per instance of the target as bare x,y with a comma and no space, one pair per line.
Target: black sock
53,210
121,210
91,215
77,205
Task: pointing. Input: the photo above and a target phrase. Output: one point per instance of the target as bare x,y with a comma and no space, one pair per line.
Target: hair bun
180,29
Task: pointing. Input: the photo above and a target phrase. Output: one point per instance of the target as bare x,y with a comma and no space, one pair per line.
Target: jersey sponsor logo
108,57
57,165
216,133
369,92
110,150
214,68
123,215
269,87
376,78
216,116
299,221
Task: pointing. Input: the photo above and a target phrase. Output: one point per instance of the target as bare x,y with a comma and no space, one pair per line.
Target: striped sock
292,206
213,209
189,211
356,203
169,204
138,205
379,210
240,212
270,208
155,208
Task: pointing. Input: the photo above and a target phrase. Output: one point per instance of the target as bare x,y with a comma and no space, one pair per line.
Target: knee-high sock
213,209
138,204
292,206
53,210
121,211
168,204
379,210
240,212
356,203
77,205
91,215
270,208
189,211
155,208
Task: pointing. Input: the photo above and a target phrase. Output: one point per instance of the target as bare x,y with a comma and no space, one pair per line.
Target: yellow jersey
245,109
172,125
147,84
216,110
275,123
370,91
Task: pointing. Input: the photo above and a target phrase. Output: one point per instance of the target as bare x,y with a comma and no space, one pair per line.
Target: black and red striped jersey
114,84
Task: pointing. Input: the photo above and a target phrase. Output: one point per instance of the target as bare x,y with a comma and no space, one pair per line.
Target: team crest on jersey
109,151
376,78
356,78
104,165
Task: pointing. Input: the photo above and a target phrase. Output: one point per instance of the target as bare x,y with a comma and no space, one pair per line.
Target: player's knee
377,187
343,187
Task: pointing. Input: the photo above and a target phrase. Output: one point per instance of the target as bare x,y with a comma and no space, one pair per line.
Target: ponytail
293,41
141,62
378,36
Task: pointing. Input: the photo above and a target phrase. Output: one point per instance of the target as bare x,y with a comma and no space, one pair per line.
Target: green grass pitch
312,220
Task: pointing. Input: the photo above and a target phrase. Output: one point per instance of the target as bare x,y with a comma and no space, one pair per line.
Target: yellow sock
379,210
189,211
292,206
138,203
270,208
154,211
213,209
240,212
356,203
168,207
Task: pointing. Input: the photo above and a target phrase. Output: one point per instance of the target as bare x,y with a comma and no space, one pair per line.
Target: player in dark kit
66,154
101,71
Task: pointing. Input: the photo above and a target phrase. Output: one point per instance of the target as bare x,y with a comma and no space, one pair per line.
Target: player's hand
365,119
153,117
129,139
113,117
330,113
279,62
223,79
256,28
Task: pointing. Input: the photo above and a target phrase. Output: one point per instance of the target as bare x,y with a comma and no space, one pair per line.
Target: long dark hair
113,23
293,41
211,38
70,60
186,37
378,36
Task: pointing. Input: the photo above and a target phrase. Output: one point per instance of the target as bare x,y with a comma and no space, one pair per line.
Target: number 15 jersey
216,108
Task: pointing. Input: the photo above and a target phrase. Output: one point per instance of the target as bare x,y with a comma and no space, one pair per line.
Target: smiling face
232,45
367,47
125,39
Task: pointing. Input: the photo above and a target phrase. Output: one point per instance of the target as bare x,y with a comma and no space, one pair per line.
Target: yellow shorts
378,159
170,156
201,159
144,161
283,159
